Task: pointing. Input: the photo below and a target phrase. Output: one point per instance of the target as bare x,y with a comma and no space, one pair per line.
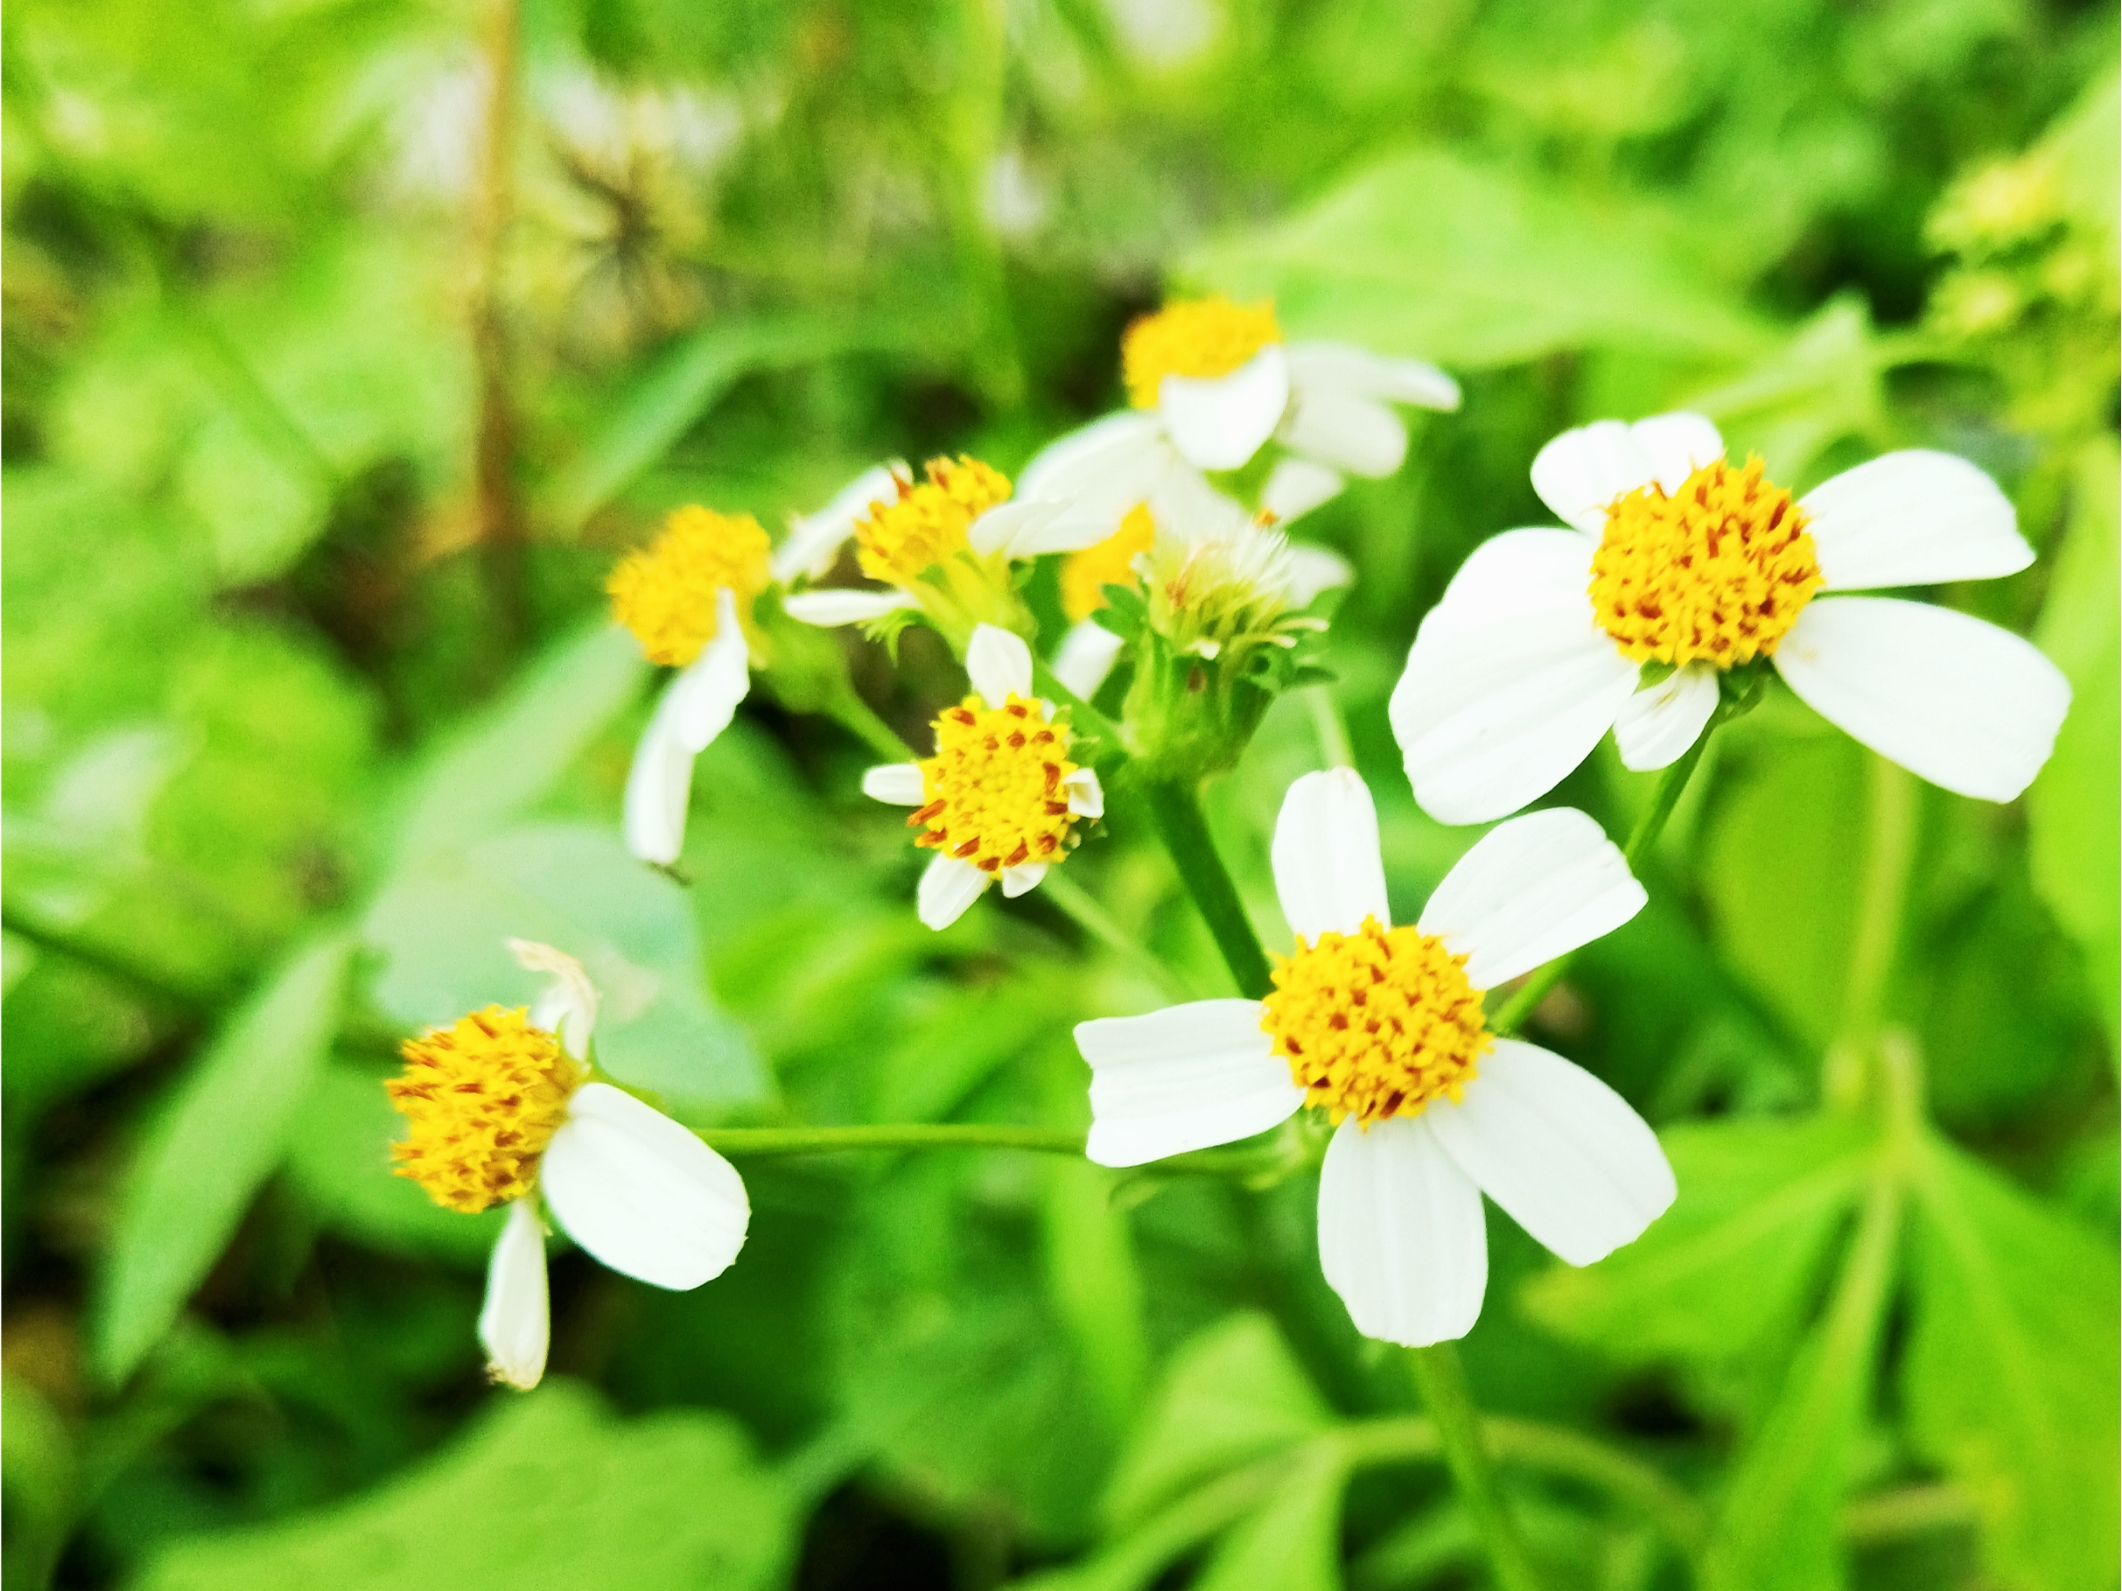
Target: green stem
1889,855
847,709
777,1141
1086,719
1334,743
1441,1381
1672,783
1077,904
1184,827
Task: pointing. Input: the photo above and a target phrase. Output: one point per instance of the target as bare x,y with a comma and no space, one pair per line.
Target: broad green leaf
37,1456
1821,386
546,1491
2011,1377
218,1140
1433,255
1293,1543
1735,1259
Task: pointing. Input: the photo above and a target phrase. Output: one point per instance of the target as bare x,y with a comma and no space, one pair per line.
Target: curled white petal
568,1004
1087,655
1530,890
704,696
1914,518
814,541
999,664
1359,435
948,886
1086,797
515,1321
1184,1078
1343,368
659,788
895,783
1328,869
1218,423
1017,529
1400,1233
838,605
1656,725
1297,486
1022,879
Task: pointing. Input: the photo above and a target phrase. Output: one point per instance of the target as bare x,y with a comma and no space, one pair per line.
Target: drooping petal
840,605
568,1004
1656,725
1355,434
641,1193
1218,423
1677,445
1530,890
1400,1233
1491,714
1359,373
704,696
814,540
1019,529
948,887
515,1322
999,664
659,787
1086,797
1581,472
1960,702
1187,1077
1022,879
1328,871
1088,653
1562,1153
1313,570
895,783
1914,518
1297,486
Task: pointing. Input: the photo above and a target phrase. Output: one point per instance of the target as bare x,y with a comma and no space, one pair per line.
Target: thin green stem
1334,744
763,1142
1441,1382
1889,855
1086,719
846,708
1078,905
1184,827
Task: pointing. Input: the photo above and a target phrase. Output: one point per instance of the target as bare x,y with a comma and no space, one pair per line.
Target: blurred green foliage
336,381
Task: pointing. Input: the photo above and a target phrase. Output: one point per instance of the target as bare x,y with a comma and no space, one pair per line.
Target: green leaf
546,1490
1433,255
1293,1543
2011,1377
220,1137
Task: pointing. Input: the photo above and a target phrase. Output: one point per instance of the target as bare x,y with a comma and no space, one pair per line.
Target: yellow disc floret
665,592
1086,574
484,1098
1199,337
928,523
1376,1023
996,791
1718,572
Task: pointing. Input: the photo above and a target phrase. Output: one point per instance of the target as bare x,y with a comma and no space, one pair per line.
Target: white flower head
1680,559
1382,1028
999,799
502,1110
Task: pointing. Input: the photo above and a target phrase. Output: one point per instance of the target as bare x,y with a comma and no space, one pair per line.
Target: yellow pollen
996,791
484,1098
1086,574
1200,337
1717,572
928,523
665,592
1376,1023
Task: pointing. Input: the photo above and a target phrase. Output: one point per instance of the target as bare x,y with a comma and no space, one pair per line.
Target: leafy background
337,379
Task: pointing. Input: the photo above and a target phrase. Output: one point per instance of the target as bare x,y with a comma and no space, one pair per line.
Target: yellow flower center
1086,574
929,522
1718,572
1376,1023
484,1098
665,592
995,791
1200,337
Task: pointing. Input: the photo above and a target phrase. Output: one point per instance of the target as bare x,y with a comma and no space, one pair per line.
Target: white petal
1562,1153
1359,435
814,540
1127,450
1493,714
1959,702
659,787
1913,519
1677,445
641,1193
1016,528
1339,367
1656,725
895,783
1297,486
1088,653
1581,472
839,605
1530,890
568,1005
1315,569
999,664
1086,797
1400,1233
1328,871
515,1322
1022,879
1187,1077
950,885
1219,424
704,696
1515,571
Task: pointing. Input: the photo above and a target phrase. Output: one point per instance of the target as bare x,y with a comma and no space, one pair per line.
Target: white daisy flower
502,1110
999,798
1382,1028
1680,559
1211,382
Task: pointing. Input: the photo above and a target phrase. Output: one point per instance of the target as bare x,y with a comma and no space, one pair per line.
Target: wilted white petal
1328,871
659,788
1400,1233
515,1322
999,664
1677,445
1184,1078
1530,890
1297,486
1656,725
1086,798
1022,878
1088,653
814,540
704,696
568,1004
641,1193
948,887
1354,434
1219,423
1581,472
1914,518
1562,1153
839,605
896,783
1340,367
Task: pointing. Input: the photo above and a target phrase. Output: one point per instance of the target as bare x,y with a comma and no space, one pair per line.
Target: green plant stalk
1441,1382
1890,848
1077,904
1184,827
1085,719
846,708
775,1142
1327,724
